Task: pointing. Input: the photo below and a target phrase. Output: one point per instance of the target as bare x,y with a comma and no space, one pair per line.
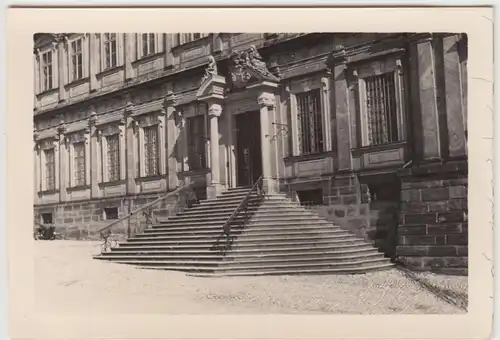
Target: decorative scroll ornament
247,65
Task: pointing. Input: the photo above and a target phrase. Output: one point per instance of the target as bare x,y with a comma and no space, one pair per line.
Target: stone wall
433,227
81,220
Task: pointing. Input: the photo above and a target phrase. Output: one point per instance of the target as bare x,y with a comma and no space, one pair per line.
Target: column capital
214,110
266,99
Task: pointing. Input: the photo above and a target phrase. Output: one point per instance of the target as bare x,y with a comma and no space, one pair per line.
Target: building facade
370,129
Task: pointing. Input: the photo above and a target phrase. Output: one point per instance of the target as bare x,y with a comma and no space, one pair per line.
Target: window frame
110,59
148,156
47,85
79,175
76,69
314,146
50,179
113,176
374,68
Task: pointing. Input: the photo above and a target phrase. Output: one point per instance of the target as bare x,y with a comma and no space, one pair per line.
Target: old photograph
226,173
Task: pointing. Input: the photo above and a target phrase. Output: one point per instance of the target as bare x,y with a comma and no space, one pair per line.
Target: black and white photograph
307,173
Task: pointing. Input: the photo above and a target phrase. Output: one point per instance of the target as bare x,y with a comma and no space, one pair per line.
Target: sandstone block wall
433,222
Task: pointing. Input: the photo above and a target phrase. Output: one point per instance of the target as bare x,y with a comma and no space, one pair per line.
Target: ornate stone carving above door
247,66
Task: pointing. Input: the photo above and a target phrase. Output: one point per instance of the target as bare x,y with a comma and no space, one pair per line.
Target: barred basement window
196,143
50,167
310,124
381,109
113,158
110,213
47,71
110,50
77,59
148,44
79,157
151,151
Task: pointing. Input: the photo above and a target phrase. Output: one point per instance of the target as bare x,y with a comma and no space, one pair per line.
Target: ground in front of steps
68,280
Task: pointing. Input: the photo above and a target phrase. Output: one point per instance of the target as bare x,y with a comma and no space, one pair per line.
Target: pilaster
170,112
169,56
37,173
431,143
61,168
214,112
94,157
93,65
453,93
342,117
132,157
61,70
128,55
122,148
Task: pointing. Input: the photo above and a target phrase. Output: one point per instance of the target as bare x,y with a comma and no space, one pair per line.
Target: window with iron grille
79,163
151,151
47,71
50,167
148,44
77,59
110,60
310,126
381,109
196,142
113,157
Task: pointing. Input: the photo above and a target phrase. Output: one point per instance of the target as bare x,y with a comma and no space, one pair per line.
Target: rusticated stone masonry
433,222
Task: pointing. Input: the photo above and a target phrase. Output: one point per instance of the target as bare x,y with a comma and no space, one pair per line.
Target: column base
270,185
214,190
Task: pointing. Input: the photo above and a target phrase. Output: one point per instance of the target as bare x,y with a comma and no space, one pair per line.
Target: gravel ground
69,280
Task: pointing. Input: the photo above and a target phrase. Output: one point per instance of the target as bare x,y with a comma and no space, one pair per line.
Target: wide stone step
194,239
248,261
214,224
242,233
247,251
292,272
258,211
355,265
248,228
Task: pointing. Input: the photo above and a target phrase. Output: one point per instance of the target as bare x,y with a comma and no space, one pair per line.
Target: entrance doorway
248,148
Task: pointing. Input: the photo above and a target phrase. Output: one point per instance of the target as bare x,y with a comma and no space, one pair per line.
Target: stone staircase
276,236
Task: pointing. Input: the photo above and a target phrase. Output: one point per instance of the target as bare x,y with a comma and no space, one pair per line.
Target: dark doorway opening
47,218
248,148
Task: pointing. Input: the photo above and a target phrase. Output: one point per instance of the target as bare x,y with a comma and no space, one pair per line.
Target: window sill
375,148
48,192
148,58
109,71
111,183
149,178
78,187
76,82
46,92
192,43
307,157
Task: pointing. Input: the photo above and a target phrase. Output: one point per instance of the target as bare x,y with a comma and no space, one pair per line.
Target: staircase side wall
433,222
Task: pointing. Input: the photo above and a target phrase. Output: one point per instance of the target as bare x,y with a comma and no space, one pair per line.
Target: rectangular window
110,60
47,71
183,38
151,151
110,213
50,168
196,143
47,218
77,59
381,109
79,163
113,158
310,124
148,44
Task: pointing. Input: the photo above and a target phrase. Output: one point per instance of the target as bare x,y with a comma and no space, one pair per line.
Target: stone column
267,103
63,169
342,119
170,112
453,93
94,158
431,144
214,112
36,158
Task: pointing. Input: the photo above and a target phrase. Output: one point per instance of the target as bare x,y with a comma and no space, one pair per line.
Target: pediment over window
212,86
